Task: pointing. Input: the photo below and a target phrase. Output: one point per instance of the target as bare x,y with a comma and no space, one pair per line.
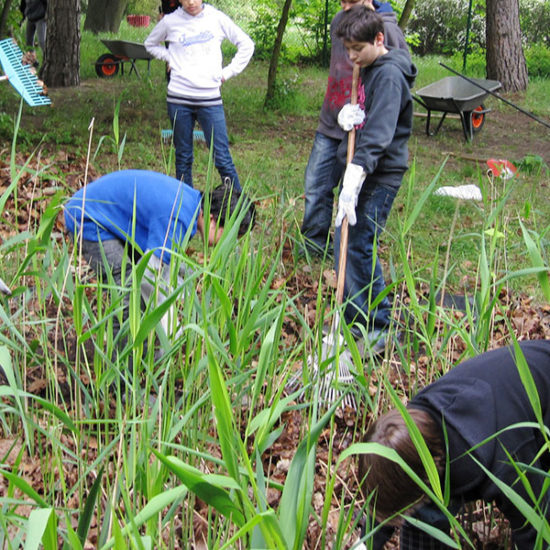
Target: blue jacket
382,7
149,209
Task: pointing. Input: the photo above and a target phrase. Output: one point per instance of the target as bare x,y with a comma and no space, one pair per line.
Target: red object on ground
138,20
501,168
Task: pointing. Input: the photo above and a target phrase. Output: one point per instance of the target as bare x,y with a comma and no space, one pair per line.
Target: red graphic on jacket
339,93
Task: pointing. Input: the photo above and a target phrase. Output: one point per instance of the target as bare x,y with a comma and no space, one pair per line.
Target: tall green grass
187,453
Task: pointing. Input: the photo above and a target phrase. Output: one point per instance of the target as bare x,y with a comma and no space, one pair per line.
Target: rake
340,373
20,76
4,288
166,135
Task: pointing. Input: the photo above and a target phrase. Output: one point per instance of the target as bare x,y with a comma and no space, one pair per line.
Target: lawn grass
222,434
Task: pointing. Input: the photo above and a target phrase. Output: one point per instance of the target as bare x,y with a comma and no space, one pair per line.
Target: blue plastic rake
20,76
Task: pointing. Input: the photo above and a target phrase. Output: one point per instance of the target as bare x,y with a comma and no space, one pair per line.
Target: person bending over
467,420
123,215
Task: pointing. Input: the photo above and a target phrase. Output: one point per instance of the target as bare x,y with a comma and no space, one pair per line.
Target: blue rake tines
166,135
19,75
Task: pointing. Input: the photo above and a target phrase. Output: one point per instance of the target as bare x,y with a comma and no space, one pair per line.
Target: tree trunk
274,62
505,58
4,18
104,15
61,66
406,14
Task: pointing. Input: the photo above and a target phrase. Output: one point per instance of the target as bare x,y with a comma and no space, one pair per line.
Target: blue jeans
323,173
364,277
212,122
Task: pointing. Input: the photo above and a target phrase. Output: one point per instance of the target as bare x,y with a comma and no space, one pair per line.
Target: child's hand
350,116
354,177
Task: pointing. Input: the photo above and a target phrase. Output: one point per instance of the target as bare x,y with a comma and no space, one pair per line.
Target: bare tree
104,15
4,18
505,58
274,61
406,14
61,66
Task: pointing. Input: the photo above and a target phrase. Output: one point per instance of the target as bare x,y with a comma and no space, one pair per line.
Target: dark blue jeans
323,173
364,277
212,121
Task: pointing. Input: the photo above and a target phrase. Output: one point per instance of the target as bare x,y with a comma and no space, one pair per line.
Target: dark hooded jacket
34,10
477,399
168,6
340,71
381,142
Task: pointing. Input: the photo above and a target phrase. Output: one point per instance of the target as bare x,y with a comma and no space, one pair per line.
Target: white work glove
155,267
350,116
354,176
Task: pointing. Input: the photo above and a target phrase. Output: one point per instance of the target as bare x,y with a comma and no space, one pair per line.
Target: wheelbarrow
454,94
122,51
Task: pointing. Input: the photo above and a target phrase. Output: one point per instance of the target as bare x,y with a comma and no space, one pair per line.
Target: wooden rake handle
342,261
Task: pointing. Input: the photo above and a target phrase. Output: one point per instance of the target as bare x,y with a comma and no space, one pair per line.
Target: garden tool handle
344,229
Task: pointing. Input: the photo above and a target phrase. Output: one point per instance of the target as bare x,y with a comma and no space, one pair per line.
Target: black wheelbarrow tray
122,51
454,94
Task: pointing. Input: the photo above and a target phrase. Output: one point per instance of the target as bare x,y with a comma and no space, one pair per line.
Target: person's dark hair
395,490
360,24
224,200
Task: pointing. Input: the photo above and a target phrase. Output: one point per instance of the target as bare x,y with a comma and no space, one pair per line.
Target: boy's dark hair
360,24
395,490
224,200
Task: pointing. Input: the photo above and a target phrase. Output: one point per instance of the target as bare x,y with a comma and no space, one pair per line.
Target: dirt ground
505,130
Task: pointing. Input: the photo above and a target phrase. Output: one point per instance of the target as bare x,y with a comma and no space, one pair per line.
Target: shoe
311,249
373,341
377,339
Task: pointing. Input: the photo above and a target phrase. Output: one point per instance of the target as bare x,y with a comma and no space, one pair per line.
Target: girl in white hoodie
194,33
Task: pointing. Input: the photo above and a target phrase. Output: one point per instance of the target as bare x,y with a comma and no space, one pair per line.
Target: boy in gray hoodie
373,177
323,171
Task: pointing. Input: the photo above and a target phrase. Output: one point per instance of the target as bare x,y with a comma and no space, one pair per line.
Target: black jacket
34,10
477,399
168,6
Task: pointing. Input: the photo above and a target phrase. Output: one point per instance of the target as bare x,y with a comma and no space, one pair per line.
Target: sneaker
373,341
310,249
377,339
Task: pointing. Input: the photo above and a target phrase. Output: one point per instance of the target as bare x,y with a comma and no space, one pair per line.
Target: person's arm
154,43
245,47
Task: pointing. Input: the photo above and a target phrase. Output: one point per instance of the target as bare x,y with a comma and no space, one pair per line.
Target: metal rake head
338,374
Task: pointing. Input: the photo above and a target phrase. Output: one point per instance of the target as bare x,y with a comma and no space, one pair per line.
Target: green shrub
476,64
264,30
143,7
535,21
538,60
441,26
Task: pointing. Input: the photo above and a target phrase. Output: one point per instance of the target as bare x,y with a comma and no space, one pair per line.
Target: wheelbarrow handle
420,101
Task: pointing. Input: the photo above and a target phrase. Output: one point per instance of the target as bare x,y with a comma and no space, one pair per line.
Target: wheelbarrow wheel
478,118
106,66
